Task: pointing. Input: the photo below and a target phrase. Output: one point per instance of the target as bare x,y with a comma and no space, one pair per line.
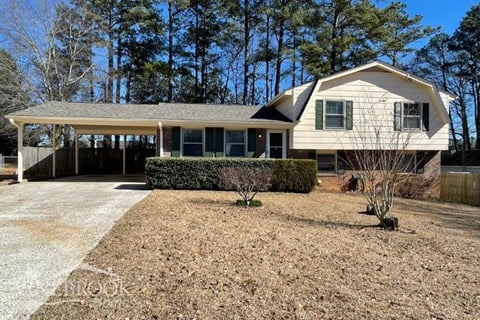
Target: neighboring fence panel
460,169
8,165
461,188
38,161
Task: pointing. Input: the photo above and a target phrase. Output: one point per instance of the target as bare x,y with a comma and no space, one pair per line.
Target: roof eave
146,122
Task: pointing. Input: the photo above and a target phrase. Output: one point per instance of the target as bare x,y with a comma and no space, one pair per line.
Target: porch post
20,153
76,152
159,140
54,145
124,153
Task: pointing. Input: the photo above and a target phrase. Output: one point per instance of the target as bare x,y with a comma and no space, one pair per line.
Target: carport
84,124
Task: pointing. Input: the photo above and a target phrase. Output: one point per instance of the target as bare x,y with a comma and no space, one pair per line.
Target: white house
322,120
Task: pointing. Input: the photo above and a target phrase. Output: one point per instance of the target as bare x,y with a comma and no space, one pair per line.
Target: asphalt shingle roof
160,112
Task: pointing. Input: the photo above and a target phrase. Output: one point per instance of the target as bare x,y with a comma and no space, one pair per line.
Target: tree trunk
170,53
278,61
246,40
267,60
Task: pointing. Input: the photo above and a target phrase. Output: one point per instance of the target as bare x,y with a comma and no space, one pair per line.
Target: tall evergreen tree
400,31
465,41
340,31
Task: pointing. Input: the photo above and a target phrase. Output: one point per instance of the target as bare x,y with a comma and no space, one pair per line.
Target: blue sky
444,13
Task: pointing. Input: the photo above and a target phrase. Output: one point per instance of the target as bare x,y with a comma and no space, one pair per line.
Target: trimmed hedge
290,175
294,175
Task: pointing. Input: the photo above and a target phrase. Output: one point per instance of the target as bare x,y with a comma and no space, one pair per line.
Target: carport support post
159,140
124,153
76,153
54,155
20,153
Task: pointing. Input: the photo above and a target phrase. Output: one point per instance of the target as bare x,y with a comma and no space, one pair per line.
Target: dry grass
191,254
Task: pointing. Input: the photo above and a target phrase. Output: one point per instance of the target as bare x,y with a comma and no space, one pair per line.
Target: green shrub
203,173
294,175
253,203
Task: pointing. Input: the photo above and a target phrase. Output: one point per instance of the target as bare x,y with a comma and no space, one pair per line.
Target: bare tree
380,159
247,182
50,64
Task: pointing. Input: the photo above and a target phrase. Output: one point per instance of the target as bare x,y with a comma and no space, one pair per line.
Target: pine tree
400,31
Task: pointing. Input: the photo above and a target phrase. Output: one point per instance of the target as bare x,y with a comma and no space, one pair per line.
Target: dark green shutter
209,142
252,142
312,155
176,132
426,117
349,113
398,116
319,114
219,142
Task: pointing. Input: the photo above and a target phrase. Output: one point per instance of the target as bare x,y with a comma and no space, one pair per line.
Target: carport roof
148,112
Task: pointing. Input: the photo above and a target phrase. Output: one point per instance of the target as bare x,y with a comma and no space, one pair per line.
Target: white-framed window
412,116
192,143
334,115
235,143
327,163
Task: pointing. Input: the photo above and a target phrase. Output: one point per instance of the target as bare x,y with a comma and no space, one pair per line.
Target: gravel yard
193,255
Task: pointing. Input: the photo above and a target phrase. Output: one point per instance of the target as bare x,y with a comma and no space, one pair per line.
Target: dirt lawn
193,255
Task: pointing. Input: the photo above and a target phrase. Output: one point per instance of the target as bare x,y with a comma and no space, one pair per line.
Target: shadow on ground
323,223
99,178
456,216
133,186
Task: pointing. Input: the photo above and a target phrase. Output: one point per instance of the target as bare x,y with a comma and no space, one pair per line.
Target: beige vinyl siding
292,104
285,107
373,95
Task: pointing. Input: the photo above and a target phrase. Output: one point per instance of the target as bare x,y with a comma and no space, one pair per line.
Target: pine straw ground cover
193,255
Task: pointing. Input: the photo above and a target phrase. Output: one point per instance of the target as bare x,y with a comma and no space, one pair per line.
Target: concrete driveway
47,228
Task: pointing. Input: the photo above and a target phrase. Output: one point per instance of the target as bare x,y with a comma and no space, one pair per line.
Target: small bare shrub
247,182
415,187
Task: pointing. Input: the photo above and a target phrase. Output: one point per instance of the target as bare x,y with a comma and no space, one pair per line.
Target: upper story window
334,114
192,142
412,115
235,143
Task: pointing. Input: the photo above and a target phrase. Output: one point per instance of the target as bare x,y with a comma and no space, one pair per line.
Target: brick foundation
418,186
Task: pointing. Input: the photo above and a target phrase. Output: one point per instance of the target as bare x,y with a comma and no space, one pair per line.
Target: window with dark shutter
235,143
334,114
411,116
192,142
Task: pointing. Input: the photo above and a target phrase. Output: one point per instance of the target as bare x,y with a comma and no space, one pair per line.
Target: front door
276,144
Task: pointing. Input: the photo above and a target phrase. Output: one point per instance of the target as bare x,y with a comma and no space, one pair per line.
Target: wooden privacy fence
38,161
461,188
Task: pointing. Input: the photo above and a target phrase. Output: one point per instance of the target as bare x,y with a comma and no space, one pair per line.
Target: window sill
327,174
